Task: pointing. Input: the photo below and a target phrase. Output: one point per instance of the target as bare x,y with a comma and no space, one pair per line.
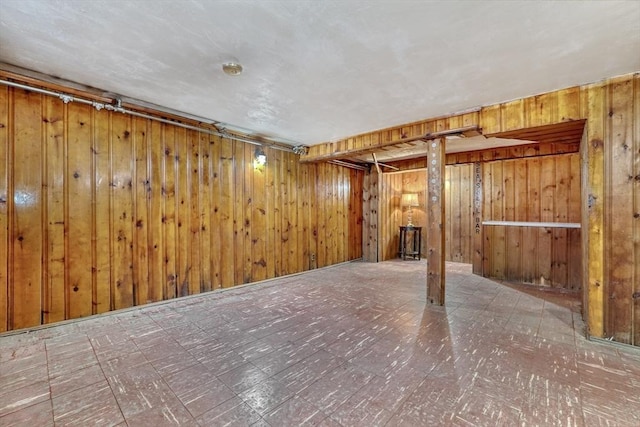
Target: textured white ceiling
322,70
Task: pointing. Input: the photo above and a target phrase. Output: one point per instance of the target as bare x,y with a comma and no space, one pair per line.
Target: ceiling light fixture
232,68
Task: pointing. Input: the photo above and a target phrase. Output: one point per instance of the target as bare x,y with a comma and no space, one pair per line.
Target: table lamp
410,200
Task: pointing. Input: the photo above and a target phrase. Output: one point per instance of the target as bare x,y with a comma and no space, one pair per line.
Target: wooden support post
477,219
436,219
370,216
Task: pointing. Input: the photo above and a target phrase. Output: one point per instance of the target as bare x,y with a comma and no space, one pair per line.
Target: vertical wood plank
449,212
298,205
513,235
141,198
169,169
569,104
331,216
487,190
498,244
78,178
466,213
593,216
286,229
547,206
512,115
490,119
304,215
619,215
155,153
278,207
122,214
574,255
195,219
527,244
289,216
183,214
339,201
26,233
204,196
6,105
531,273
322,215
217,243
456,214
227,258
259,228
436,226
636,211
559,251
102,220
55,292
355,228
270,174
313,216
247,211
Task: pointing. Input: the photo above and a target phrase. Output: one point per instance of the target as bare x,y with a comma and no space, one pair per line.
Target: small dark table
414,243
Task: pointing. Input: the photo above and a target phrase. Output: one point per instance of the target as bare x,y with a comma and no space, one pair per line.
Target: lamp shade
409,199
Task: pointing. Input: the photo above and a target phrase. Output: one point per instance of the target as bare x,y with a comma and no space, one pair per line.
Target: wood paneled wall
610,202
534,189
100,211
616,140
392,215
458,199
459,213
539,189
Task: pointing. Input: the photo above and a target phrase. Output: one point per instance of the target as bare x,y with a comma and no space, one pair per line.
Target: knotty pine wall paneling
459,210
459,213
101,210
622,222
54,175
27,201
610,190
6,182
544,189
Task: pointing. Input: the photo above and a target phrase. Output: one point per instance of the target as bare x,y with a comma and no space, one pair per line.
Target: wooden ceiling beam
390,144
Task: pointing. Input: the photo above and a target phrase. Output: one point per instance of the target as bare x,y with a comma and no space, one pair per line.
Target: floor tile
355,344
243,377
295,412
94,405
198,389
233,412
14,399
75,380
38,414
266,395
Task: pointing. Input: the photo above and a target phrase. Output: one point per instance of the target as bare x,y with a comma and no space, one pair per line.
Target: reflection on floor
351,345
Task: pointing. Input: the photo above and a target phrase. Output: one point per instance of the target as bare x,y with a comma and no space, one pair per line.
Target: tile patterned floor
352,345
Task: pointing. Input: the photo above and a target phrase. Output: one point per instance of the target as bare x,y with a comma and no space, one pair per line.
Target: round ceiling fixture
232,68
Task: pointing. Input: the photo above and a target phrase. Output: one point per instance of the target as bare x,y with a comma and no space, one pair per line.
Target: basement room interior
319,213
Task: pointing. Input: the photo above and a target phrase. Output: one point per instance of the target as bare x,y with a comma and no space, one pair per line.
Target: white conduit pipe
66,98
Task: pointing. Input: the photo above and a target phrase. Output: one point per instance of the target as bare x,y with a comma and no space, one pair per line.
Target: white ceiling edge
320,71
